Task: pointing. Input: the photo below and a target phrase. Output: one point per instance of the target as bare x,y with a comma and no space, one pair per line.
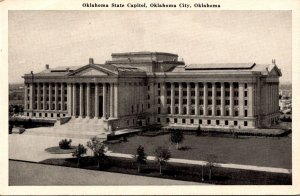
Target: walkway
225,165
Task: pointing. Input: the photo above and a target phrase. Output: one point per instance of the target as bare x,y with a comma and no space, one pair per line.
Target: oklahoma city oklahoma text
151,5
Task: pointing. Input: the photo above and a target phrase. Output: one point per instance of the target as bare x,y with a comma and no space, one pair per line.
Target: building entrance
100,106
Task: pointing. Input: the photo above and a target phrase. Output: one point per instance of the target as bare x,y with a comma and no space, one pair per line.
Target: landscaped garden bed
178,171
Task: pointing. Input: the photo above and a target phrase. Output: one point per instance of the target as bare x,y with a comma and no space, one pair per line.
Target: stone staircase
75,128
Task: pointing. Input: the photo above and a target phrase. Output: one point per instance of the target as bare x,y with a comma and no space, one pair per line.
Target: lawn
259,151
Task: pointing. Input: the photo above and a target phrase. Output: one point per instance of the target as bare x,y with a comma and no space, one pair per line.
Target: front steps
75,128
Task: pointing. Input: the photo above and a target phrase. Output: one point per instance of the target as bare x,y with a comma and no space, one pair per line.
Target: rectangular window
236,113
168,101
218,93
227,93
245,123
209,93
209,102
158,110
217,122
192,93
192,121
236,102
226,122
245,102
227,113
246,85
168,93
158,92
175,120
192,101
201,93
158,100
227,102
184,101
218,112
168,120
236,94
158,120
148,105
208,122
218,102
235,123
183,121
158,85
184,93
176,101
245,93
201,101
246,113
200,121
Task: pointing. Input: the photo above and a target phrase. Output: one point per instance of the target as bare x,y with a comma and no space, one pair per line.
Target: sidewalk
225,165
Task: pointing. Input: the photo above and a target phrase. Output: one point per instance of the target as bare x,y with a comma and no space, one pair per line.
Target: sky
70,38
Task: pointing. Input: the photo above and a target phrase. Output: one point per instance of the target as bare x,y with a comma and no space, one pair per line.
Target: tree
176,137
79,151
140,157
211,163
162,155
99,149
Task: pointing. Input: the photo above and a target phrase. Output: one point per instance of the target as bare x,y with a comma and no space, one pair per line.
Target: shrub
176,137
79,152
140,157
65,144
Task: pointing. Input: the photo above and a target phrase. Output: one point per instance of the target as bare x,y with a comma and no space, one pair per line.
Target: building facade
144,88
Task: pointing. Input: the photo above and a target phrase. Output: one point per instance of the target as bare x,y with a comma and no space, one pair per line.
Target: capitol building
137,89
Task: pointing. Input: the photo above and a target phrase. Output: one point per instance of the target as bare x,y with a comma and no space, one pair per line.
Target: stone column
231,99
44,96
163,97
250,99
180,98
111,100
50,96
31,96
104,100
81,106
62,97
188,108
74,100
56,96
116,94
25,96
205,99
88,101
172,98
213,111
38,96
96,100
197,98
222,99
69,99
241,99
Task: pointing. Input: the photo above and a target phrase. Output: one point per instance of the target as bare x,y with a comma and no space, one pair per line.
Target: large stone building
143,88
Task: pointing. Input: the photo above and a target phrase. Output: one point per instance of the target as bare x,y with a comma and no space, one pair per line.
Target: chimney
273,61
47,66
91,61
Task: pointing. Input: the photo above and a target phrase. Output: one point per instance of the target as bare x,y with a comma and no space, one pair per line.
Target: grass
176,171
259,151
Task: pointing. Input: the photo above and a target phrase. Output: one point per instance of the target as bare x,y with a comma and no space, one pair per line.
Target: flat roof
220,66
143,53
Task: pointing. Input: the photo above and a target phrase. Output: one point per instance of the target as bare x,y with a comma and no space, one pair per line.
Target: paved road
24,173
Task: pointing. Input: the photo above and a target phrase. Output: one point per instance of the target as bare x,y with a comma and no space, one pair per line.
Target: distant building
143,88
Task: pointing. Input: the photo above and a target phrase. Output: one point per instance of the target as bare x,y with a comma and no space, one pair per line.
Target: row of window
209,85
201,101
201,112
59,107
47,98
46,115
200,122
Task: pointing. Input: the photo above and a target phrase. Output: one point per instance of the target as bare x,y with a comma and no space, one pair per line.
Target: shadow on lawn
178,171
